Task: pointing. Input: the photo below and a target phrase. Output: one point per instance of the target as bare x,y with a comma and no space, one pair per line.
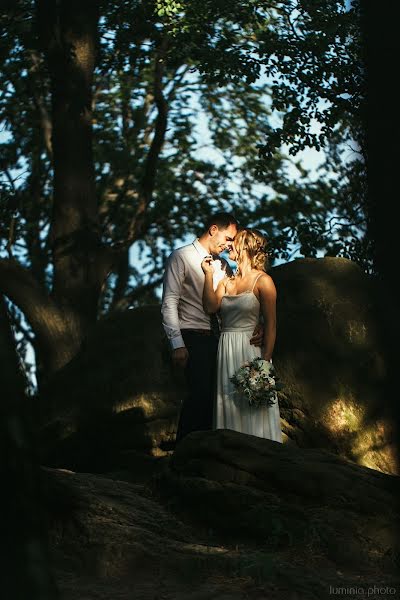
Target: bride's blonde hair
252,243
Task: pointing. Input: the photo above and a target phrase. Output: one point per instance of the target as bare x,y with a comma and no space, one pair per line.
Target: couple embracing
216,320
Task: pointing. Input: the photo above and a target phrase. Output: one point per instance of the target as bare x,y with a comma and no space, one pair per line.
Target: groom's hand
258,336
207,264
180,357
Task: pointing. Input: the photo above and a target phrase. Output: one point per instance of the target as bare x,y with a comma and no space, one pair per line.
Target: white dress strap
255,281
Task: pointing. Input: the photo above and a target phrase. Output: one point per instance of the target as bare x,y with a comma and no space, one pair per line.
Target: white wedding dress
239,316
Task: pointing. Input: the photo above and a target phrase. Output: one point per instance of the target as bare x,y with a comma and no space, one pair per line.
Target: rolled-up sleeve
172,288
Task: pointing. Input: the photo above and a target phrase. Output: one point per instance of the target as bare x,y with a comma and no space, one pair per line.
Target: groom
190,331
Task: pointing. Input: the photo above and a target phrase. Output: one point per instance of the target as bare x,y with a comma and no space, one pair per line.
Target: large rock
330,357
230,517
119,399
285,497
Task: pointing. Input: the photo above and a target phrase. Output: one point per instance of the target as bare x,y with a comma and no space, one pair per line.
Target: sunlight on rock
148,403
357,333
200,548
157,452
161,436
368,445
372,449
343,415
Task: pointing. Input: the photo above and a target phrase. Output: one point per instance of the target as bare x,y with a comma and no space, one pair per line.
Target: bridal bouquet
256,380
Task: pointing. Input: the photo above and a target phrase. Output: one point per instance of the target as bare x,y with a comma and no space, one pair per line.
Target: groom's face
222,239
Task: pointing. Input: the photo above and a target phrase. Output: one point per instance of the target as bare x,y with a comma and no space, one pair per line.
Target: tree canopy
125,124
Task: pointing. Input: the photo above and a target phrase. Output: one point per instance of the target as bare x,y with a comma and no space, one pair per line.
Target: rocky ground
228,516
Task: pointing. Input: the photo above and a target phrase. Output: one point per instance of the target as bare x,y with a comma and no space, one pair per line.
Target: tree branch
150,170
54,337
127,300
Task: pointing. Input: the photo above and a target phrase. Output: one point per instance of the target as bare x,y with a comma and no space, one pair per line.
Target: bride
240,300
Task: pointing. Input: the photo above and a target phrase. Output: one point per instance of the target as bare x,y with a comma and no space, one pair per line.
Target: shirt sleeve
172,288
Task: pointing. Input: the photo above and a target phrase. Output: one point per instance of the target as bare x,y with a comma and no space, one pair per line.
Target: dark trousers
200,372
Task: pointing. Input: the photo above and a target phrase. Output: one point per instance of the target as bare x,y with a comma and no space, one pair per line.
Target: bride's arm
211,299
267,290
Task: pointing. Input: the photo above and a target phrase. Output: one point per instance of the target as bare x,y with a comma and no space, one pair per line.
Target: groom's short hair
221,219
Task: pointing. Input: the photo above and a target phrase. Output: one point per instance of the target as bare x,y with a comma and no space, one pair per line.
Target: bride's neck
244,268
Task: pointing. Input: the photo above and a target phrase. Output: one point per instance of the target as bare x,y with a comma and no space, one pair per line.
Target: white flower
265,366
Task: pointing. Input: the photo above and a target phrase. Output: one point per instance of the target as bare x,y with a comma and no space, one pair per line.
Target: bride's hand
207,265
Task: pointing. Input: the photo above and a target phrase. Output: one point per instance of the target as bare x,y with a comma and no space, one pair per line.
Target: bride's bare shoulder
265,281
224,282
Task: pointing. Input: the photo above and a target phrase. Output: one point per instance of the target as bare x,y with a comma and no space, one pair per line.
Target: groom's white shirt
182,305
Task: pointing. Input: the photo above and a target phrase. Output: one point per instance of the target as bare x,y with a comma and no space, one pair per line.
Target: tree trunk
56,339
68,34
25,564
380,44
